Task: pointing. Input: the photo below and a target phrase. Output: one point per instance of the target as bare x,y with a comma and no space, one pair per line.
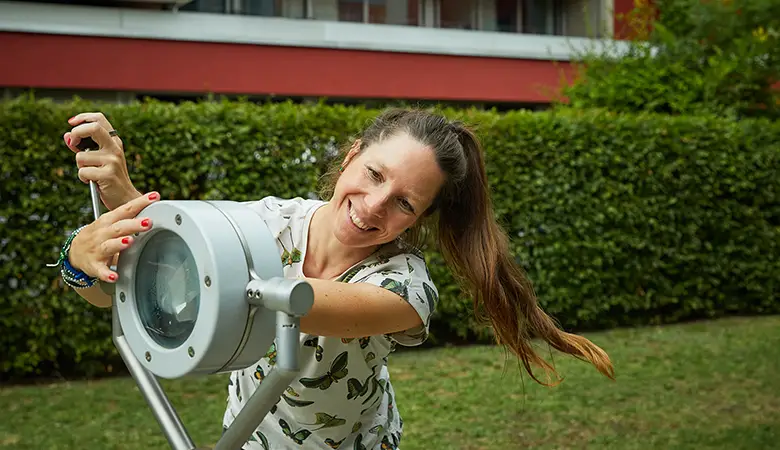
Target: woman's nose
375,203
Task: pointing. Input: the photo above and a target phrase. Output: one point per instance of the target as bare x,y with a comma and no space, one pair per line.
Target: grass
705,385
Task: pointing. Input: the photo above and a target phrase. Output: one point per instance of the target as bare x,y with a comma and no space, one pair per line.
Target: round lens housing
167,289
182,297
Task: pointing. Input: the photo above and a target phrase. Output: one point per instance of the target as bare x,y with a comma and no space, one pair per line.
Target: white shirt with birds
342,397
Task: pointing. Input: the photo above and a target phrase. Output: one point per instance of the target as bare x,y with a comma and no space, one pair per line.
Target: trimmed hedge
619,219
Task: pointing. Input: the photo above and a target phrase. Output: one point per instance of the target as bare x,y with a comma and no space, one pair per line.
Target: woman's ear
352,152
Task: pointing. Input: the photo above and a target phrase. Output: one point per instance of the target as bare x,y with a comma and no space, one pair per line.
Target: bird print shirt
342,397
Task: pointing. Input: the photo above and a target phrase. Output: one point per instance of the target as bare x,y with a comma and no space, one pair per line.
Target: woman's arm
347,310
352,310
95,296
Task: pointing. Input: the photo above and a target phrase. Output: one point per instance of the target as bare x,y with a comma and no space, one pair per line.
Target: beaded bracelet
70,275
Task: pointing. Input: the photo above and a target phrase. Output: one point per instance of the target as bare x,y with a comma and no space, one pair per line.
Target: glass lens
167,289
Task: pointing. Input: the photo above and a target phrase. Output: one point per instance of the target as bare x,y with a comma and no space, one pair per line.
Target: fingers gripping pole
88,144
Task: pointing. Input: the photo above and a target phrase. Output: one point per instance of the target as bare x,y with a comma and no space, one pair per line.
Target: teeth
356,220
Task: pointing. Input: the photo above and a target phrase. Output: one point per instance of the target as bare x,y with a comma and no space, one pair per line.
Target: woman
410,170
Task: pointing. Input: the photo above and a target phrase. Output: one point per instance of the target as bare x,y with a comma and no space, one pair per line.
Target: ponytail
477,251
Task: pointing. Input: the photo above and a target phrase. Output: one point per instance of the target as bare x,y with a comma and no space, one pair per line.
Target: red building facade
484,51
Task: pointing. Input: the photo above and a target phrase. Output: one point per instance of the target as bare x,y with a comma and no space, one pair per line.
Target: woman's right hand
107,166
94,248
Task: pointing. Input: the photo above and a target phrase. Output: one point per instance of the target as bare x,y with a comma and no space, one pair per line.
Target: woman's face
383,190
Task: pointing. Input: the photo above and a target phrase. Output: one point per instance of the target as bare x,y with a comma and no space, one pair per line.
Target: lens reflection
167,289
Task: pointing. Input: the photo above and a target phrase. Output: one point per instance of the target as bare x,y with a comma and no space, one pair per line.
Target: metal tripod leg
147,383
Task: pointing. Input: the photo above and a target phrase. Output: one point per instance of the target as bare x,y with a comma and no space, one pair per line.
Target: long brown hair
473,244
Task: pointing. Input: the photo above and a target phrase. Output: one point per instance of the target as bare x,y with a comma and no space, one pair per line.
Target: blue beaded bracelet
70,275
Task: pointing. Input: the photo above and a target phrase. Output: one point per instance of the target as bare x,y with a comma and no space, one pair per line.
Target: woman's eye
406,205
373,173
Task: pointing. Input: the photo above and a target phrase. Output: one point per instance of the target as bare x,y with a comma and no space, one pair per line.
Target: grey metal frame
290,298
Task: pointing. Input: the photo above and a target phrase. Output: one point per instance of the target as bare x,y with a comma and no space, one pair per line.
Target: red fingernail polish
145,223
153,196
112,277
68,140
71,118
126,240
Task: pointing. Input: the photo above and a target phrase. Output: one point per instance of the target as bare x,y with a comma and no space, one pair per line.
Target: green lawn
707,385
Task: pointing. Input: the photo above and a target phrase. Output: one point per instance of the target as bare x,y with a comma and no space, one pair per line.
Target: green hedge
688,57
620,220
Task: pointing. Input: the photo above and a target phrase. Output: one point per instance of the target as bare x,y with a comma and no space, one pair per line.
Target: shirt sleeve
407,275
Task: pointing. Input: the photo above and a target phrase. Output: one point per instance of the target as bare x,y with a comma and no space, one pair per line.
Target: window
543,17
401,12
351,10
293,9
459,14
209,6
506,16
532,16
267,8
368,11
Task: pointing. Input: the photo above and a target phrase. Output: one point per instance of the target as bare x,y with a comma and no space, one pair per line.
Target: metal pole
272,387
95,199
150,388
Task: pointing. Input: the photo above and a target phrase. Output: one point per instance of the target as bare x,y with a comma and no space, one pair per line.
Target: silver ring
113,133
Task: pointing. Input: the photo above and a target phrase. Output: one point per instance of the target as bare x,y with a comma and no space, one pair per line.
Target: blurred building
490,52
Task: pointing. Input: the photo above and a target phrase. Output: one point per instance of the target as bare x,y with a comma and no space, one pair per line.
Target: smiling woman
360,249
382,190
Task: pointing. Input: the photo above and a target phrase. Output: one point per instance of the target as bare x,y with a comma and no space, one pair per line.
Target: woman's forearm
352,310
348,310
95,296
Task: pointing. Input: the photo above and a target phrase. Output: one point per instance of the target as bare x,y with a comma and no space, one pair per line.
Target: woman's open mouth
355,220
